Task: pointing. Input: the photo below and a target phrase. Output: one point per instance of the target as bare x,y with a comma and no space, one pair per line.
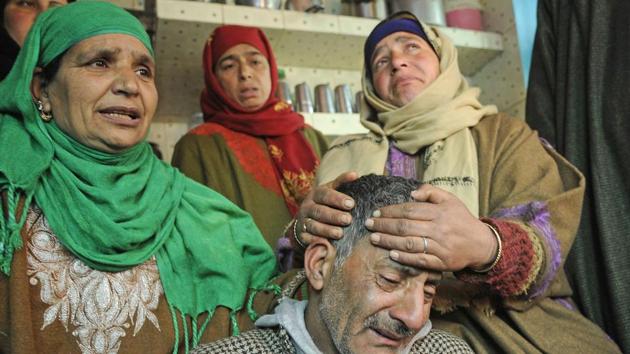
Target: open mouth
120,113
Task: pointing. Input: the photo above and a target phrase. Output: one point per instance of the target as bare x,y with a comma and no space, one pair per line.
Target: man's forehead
364,249
380,257
387,262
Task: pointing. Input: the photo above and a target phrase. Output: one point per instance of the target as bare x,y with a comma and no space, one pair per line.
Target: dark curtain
8,52
8,48
578,99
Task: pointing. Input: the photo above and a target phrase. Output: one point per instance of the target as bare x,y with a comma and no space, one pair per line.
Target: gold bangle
295,235
286,228
499,252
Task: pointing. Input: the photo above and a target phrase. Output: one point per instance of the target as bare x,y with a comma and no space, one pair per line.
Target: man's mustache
388,325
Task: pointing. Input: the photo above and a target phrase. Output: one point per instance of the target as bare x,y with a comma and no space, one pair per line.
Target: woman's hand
435,232
324,211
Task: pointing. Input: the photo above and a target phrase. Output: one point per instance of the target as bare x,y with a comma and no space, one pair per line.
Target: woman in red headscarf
253,148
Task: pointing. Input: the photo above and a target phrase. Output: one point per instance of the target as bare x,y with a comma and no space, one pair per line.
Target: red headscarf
275,122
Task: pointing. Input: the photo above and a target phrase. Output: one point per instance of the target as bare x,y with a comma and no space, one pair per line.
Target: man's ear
39,88
319,259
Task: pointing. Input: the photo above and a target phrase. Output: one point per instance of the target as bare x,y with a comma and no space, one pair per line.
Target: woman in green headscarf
103,248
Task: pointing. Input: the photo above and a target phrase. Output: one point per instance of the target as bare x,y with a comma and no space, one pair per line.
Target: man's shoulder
257,341
441,342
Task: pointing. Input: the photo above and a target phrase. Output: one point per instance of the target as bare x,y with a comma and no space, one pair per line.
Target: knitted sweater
276,340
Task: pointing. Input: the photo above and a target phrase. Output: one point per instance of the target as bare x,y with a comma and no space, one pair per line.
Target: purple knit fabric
284,254
537,216
400,164
564,302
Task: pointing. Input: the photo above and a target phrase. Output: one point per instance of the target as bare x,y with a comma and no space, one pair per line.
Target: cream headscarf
440,117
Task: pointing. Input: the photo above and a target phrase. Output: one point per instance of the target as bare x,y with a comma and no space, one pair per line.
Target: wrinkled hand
324,211
455,239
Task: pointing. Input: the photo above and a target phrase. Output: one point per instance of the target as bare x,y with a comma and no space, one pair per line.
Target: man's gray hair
370,193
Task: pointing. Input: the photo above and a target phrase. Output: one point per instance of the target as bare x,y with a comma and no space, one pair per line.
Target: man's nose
410,310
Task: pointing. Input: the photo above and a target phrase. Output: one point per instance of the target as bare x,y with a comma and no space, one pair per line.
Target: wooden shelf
298,40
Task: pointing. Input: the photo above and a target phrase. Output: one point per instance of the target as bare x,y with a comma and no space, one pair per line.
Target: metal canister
343,98
303,98
324,101
284,92
429,11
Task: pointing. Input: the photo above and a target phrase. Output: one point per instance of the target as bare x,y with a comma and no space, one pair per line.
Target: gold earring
46,116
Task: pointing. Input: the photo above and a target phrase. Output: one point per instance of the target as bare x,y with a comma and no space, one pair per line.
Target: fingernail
376,213
346,219
348,203
394,255
338,234
415,193
369,223
375,238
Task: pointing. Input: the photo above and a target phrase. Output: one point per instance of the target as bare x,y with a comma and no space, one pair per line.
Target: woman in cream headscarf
499,209
104,248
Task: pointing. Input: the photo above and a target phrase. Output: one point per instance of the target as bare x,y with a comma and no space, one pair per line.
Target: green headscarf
115,211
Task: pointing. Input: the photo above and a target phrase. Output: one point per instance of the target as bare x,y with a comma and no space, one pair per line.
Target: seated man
360,301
